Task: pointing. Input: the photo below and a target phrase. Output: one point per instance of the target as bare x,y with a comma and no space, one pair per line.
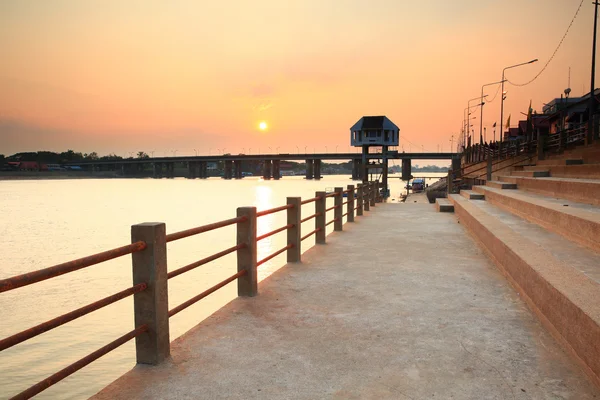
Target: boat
418,185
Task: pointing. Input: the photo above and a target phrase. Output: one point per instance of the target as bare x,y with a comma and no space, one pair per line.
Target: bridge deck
402,305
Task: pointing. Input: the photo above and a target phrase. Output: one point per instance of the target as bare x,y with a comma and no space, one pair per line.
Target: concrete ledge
575,224
580,190
561,161
532,174
564,298
509,179
501,185
585,171
471,195
444,205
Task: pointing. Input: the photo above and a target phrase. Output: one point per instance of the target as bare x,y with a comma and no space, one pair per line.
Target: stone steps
575,221
561,161
585,171
444,205
579,190
471,195
559,280
532,174
501,184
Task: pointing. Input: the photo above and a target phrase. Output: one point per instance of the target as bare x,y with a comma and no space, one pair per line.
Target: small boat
418,185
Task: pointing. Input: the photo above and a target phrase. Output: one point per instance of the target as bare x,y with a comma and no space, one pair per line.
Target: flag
508,122
529,126
529,111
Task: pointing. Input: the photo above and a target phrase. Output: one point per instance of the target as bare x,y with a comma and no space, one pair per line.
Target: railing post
372,192
338,225
320,219
367,196
350,205
246,257
294,216
360,199
541,144
489,170
151,306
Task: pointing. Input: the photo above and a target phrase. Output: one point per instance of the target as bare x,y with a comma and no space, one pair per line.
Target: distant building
374,131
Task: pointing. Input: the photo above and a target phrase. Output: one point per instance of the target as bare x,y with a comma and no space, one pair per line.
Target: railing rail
150,289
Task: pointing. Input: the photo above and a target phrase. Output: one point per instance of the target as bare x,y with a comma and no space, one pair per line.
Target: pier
356,319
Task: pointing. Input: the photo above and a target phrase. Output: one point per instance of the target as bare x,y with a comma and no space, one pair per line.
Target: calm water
43,223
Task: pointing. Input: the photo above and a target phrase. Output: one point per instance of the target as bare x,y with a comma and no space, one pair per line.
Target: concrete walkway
401,305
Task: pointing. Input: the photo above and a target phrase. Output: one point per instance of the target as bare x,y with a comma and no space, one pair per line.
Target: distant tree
92,156
71,156
141,154
111,157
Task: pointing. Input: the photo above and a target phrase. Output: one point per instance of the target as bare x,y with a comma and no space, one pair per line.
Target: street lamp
174,153
305,151
196,151
297,149
336,146
277,149
465,117
482,103
502,99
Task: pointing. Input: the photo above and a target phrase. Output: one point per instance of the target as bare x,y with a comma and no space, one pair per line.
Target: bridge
234,164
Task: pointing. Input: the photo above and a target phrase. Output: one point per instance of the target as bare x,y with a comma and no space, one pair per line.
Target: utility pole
592,107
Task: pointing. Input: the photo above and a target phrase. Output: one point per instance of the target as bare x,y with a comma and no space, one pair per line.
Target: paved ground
401,305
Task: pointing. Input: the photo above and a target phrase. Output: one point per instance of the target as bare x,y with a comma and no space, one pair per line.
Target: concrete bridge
233,164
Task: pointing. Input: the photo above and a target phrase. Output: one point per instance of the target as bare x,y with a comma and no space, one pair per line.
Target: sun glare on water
262,126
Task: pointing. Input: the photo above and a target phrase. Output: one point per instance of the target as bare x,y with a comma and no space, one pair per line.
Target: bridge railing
151,276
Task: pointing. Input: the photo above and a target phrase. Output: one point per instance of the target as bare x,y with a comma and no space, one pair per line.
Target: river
47,222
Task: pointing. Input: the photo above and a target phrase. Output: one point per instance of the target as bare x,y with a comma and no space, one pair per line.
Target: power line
553,54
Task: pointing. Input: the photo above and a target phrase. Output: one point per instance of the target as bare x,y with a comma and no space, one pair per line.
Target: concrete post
246,257
338,225
378,187
360,199
367,196
320,206
541,144
449,182
372,194
294,216
151,306
489,169
350,204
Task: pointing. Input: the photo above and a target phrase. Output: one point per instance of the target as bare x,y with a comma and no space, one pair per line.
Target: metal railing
149,263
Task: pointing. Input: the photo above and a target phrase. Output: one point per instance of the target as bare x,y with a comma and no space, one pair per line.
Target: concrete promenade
401,305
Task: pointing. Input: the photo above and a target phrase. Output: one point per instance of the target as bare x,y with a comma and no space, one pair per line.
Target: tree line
69,156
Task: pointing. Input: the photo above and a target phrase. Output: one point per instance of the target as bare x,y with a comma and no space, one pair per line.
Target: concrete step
575,221
501,185
580,190
444,205
561,161
532,174
557,280
471,195
581,171
509,179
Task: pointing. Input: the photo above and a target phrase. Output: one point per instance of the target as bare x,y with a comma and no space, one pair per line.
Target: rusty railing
150,275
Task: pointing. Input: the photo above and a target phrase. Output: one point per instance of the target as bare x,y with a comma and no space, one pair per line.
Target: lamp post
592,106
465,117
502,99
482,103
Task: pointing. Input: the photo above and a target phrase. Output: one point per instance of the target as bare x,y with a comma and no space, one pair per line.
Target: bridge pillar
276,169
406,169
267,169
237,169
203,169
122,169
356,170
309,169
384,174
228,169
191,170
317,165
171,170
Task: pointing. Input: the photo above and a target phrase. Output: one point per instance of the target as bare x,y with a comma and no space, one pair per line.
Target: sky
187,77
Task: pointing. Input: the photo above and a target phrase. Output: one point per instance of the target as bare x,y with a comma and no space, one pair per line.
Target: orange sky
120,76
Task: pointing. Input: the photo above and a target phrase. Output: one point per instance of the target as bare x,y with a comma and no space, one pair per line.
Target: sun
262,126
